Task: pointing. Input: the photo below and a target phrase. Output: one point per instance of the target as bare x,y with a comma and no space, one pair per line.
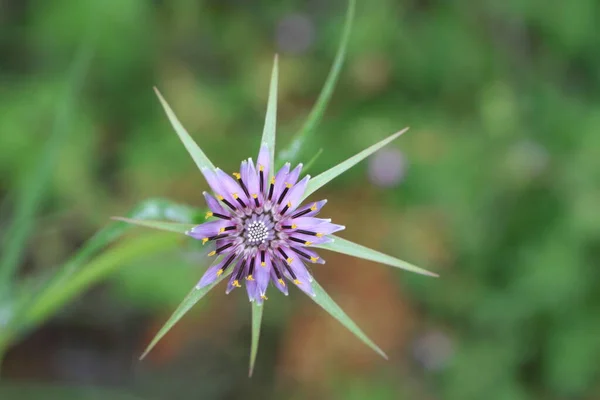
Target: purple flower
260,229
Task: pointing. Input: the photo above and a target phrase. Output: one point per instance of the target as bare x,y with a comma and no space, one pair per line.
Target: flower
260,228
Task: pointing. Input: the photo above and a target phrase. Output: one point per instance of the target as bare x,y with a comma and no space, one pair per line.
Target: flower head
259,228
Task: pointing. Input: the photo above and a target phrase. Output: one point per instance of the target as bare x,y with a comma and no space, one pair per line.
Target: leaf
322,179
322,298
271,117
56,296
160,225
294,150
257,313
344,246
32,296
192,298
34,187
195,151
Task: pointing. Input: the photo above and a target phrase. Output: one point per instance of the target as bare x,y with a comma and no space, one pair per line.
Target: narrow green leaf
160,225
98,269
322,179
322,298
344,246
257,313
270,128
192,298
33,294
195,151
34,186
294,150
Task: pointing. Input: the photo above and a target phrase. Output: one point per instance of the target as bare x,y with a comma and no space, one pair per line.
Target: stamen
208,215
238,176
236,197
314,207
289,270
236,283
288,205
271,188
293,239
302,231
204,240
287,227
314,259
216,237
303,254
287,187
224,247
297,282
224,267
262,178
277,273
227,203
251,269
262,258
220,216
264,297
282,253
301,213
229,228
255,197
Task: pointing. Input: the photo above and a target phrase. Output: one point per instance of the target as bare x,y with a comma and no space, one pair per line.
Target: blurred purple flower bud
387,167
295,34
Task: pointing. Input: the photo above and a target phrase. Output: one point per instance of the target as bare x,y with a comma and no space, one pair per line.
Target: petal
263,164
292,199
292,177
230,186
307,254
308,240
210,229
252,182
303,278
238,274
309,210
213,182
279,284
251,288
212,273
280,180
320,226
261,273
214,205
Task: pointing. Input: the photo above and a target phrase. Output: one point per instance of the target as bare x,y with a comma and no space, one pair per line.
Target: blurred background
496,187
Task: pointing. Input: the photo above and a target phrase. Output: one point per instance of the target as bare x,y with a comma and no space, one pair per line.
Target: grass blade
195,151
312,161
15,238
257,313
322,298
160,225
323,178
294,150
270,127
192,298
344,246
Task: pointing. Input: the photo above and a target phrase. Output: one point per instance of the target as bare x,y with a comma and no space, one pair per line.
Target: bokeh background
496,187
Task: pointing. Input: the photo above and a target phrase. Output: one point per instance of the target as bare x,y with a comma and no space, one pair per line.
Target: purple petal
263,163
292,177
309,210
310,240
292,199
231,187
261,274
213,182
252,182
212,273
234,281
282,286
318,225
209,229
214,205
303,278
280,181
313,257
251,288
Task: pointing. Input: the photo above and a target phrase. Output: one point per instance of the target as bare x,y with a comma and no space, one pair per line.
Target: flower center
257,230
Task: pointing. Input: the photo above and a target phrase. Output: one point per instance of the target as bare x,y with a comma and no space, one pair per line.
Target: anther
288,205
208,215
297,282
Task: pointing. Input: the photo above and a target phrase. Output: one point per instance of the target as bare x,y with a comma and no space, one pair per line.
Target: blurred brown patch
205,324
315,343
